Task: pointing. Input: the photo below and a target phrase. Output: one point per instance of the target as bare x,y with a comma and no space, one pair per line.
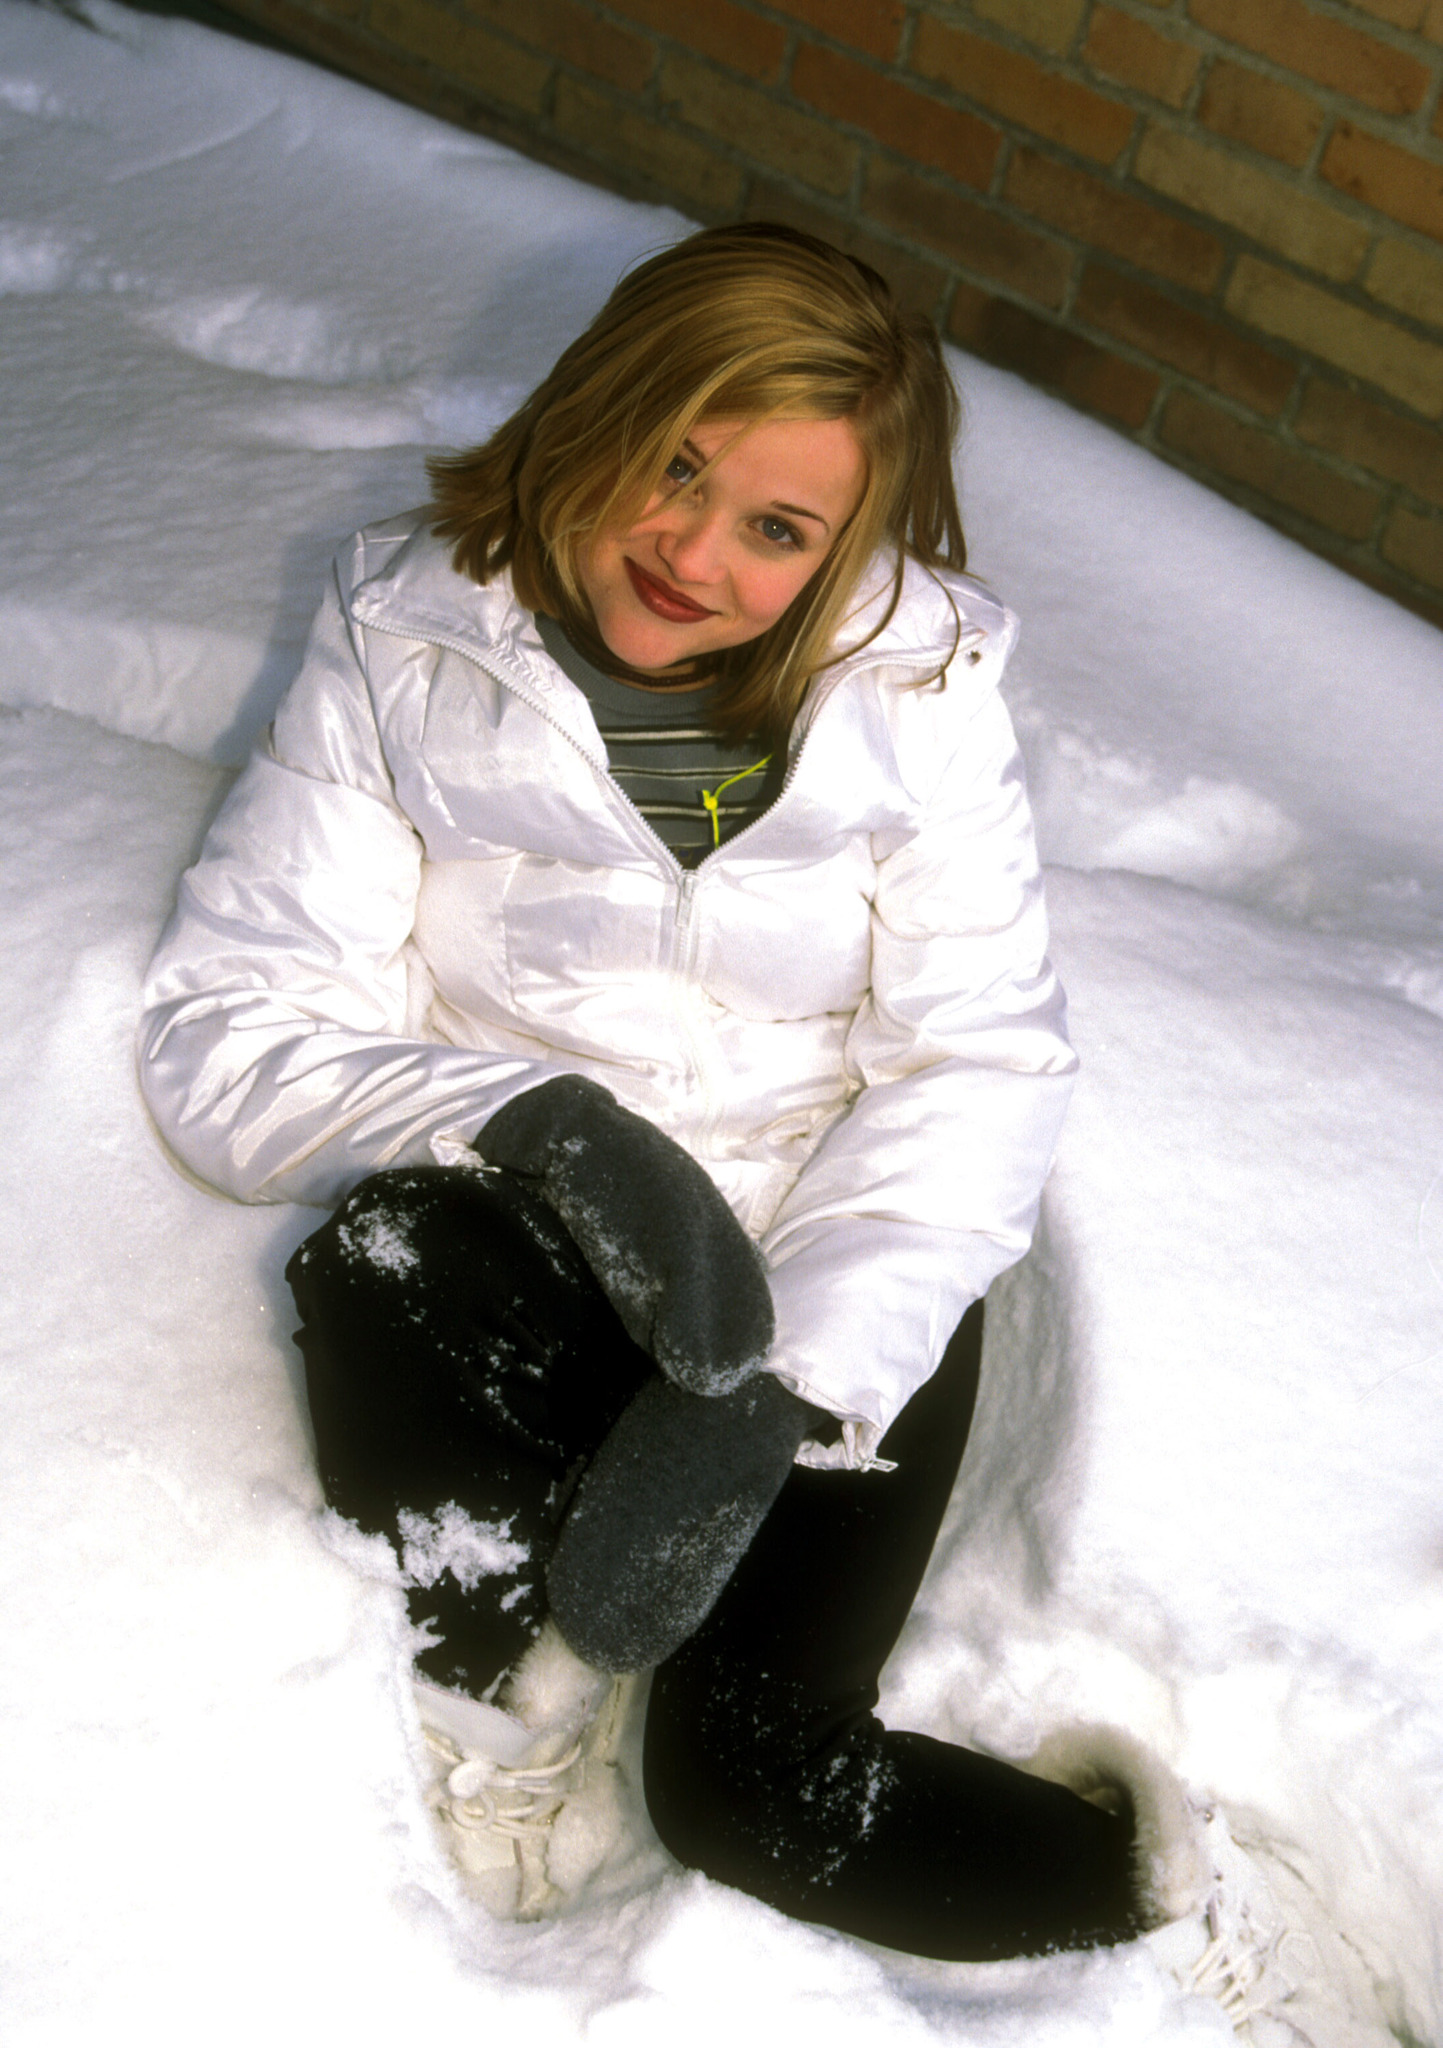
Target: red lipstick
661,598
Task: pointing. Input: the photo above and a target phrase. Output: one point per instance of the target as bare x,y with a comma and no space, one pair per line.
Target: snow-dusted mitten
682,1274
664,1514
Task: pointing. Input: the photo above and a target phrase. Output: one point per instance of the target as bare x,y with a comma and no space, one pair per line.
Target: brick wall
1216,224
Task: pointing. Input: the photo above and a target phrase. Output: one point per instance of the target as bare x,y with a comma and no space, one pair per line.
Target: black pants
458,1350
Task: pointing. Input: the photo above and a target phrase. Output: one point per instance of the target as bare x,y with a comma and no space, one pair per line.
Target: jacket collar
934,615
419,595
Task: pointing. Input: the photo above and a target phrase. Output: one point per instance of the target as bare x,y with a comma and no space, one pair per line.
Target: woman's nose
689,542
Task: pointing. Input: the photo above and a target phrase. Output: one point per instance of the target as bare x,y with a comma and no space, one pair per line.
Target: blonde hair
749,322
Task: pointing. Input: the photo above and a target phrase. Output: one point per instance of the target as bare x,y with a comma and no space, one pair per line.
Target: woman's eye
778,531
678,470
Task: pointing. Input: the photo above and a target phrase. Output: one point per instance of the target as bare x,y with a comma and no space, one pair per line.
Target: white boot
1171,1871
501,1775
1236,1919
1265,1948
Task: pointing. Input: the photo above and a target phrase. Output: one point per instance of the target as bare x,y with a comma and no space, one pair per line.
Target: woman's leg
766,1767
458,1350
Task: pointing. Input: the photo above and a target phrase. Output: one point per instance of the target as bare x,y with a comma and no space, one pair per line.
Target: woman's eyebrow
799,512
689,448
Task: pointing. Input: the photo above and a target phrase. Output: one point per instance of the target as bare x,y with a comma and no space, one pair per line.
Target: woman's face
713,564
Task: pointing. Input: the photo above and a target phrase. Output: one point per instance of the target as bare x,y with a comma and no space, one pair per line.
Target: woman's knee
443,1248
380,1239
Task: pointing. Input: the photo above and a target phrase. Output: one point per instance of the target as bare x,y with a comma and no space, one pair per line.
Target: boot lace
519,1800
1241,1972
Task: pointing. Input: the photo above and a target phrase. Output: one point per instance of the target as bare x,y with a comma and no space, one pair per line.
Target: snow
451,1540
242,299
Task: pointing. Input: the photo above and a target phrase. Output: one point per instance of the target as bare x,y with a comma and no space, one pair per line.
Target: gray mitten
664,1513
673,1261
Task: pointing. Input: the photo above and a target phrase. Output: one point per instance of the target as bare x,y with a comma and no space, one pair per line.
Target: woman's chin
653,645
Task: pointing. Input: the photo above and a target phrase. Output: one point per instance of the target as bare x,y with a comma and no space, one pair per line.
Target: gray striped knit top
693,788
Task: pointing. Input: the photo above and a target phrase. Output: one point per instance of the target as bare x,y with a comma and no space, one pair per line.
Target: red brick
716,28
1318,46
1266,115
572,32
1408,278
678,167
1048,24
471,56
912,123
770,134
1420,16
1099,213
1393,180
1047,354
971,235
1380,352
871,25
1187,340
1252,456
1020,89
1343,423
1132,52
1225,185
917,283
1414,541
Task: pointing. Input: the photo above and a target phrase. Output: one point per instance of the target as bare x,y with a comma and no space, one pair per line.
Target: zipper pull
684,895
711,798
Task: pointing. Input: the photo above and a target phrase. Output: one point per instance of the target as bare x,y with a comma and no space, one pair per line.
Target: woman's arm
274,1052
928,1188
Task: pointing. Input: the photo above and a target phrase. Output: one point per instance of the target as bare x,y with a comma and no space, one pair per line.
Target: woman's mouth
663,599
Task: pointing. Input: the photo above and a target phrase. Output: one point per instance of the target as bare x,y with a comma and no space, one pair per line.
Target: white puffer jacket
426,894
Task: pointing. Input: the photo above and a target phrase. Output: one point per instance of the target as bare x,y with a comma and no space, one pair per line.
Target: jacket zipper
686,878
683,959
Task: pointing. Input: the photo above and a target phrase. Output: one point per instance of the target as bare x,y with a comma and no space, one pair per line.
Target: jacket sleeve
274,1047
928,1187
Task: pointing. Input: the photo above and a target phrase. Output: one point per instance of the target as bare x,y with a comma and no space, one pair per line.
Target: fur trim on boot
1171,1868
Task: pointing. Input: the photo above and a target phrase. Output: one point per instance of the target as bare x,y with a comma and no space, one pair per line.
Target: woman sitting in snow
632,923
